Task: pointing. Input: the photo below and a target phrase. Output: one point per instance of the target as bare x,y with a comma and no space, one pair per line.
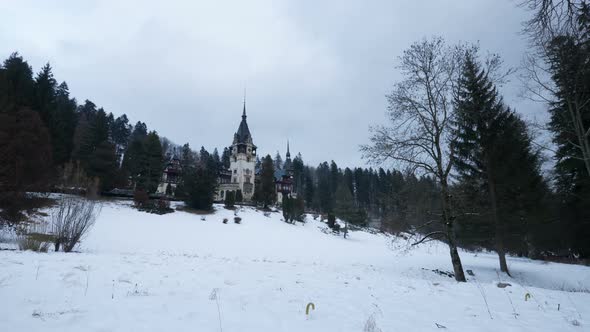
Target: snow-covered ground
176,272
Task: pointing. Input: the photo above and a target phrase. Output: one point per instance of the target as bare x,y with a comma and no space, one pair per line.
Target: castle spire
288,153
244,111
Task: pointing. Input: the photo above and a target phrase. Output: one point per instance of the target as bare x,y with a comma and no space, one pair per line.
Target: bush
237,220
140,198
34,241
71,220
225,220
331,220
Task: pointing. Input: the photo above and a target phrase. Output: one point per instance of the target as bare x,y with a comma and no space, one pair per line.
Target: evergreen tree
200,185
225,158
344,207
216,158
324,188
17,85
152,171
298,175
230,200
287,209
267,193
278,161
492,145
239,196
24,154
568,57
103,165
45,93
121,131
63,125
309,187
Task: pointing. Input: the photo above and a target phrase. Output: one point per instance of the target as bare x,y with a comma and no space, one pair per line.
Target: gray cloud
316,73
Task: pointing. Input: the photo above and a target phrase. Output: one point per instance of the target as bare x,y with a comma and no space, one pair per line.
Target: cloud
316,72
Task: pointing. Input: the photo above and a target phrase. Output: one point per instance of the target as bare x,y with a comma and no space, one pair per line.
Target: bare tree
550,18
419,134
71,220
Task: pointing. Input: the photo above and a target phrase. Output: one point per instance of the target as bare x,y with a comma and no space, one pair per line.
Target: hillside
180,271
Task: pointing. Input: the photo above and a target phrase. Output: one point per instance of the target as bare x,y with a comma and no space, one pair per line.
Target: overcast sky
316,72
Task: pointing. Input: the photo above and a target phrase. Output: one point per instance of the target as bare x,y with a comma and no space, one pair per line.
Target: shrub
140,198
35,242
71,220
225,220
331,220
33,237
163,206
237,220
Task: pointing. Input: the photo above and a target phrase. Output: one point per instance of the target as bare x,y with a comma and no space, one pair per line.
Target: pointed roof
288,153
288,163
243,135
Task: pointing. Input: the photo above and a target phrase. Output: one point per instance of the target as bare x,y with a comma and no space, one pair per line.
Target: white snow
144,272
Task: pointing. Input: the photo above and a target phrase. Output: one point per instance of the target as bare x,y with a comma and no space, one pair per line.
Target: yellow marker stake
309,305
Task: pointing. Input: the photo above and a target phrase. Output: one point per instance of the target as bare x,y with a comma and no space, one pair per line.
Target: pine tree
63,125
278,161
287,206
154,162
344,207
569,66
200,184
324,188
103,165
17,87
492,143
239,196
267,192
225,158
230,200
25,153
216,158
121,131
298,175
135,157
309,187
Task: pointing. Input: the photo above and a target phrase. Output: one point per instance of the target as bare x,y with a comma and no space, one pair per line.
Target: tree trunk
499,239
448,219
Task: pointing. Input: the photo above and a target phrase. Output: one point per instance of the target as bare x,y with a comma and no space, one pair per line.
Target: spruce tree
200,185
239,196
492,143
225,158
267,193
230,199
154,162
278,162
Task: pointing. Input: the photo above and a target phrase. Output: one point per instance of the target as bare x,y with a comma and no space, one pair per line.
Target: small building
284,183
171,176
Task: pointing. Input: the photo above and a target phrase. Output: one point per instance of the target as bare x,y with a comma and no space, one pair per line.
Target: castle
243,173
242,170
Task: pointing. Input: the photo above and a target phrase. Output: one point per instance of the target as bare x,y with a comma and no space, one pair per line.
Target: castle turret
243,158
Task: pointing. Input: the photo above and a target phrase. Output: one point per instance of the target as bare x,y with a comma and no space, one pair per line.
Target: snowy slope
176,272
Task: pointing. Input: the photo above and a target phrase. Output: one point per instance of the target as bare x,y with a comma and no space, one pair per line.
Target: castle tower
243,159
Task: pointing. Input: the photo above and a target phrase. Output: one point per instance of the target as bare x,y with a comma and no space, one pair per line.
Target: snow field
143,272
